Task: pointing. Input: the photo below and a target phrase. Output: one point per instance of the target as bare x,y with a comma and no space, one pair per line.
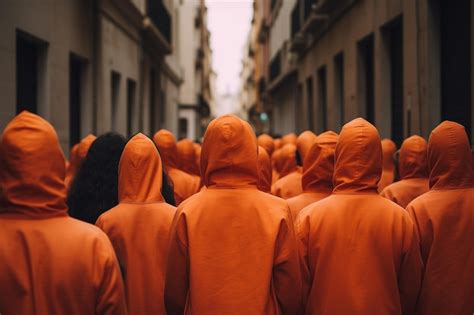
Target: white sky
229,24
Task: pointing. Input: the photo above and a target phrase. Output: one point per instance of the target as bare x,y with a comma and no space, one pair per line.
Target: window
365,48
339,89
131,87
114,97
309,102
183,128
396,80
322,99
76,78
152,102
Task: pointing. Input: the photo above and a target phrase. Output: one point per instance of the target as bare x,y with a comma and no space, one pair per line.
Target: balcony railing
160,17
295,19
275,66
308,7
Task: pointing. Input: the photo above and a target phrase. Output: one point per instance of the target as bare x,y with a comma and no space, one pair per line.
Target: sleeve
177,270
411,271
286,275
111,295
423,235
302,232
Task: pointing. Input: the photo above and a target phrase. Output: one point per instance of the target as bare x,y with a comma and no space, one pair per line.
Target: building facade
196,96
403,65
90,66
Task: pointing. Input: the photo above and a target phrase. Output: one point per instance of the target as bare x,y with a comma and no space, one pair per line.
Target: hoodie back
388,165
444,218
233,249
49,262
358,251
289,183
139,226
318,168
413,168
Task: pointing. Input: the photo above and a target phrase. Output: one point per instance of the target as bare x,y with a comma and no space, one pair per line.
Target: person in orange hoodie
444,218
318,168
78,157
264,171
233,248
139,226
277,144
184,184
304,143
187,157
49,262
289,183
388,166
413,170
358,251
266,142
276,160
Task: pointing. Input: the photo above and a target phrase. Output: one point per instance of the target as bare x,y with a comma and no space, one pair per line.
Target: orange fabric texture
184,184
358,250
139,226
78,157
388,169
49,262
318,168
289,183
233,249
266,142
444,217
304,143
413,168
264,171
290,138
277,144
187,157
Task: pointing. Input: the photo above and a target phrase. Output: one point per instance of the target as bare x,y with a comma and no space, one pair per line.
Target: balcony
275,66
157,25
296,19
282,67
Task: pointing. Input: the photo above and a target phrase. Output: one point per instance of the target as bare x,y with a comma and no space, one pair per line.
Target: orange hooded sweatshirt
49,262
233,249
78,157
318,168
388,167
139,226
277,144
264,171
304,143
444,218
290,138
184,184
358,250
187,157
413,169
266,142
289,183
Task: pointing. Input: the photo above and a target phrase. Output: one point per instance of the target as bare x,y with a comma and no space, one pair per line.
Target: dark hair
167,189
94,189
299,160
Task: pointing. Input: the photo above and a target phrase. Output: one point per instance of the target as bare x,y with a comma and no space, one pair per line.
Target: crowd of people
299,224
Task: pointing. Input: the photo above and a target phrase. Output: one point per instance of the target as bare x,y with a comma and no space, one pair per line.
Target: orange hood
277,144
388,150
412,162
358,158
187,156
304,143
449,157
264,171
318,167
229,154
166,143
290,138
266,142
285,162
79,154
140,172
32,169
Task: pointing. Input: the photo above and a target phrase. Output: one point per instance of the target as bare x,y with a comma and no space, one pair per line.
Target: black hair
94,189
299,161
167,189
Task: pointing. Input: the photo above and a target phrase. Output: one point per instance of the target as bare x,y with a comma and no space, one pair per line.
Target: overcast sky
229,24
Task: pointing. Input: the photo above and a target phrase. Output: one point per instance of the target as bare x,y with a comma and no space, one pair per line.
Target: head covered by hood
229,154
285,162
78,154
304,143
449,157
412,162
358,158
277,144
388,150
32,169
318,166
140,172
166,143
266,142
289,138
264,171
187,156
